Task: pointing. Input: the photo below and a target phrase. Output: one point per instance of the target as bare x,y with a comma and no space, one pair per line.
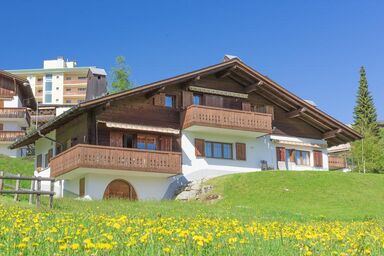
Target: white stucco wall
57,88
146,187
257,149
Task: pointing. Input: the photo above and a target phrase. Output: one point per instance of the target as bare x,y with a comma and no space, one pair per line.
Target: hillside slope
307,194
23,166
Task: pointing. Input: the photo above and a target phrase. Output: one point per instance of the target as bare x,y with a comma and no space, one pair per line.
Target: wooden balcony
336,162
115,158
9,136
17,113
227,118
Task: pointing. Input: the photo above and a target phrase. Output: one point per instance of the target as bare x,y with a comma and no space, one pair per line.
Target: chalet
16,97
145,142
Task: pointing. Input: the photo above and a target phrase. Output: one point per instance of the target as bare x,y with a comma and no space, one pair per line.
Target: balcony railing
75,81
227,118
15,113
336,162
10,135
114,158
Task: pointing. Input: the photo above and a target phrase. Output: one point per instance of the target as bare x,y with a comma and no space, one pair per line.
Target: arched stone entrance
120,189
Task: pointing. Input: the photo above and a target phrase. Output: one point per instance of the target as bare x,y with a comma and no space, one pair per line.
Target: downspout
48,138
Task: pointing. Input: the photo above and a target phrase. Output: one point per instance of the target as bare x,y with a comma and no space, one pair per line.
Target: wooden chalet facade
221,119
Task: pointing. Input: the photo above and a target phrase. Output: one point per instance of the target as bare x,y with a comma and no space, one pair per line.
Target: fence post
51,195
17,188
1,180
32,189
38,190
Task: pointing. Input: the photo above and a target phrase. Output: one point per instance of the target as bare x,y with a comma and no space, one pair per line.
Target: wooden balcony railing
15,113
75,81
115,158
336,162
10,135
227,118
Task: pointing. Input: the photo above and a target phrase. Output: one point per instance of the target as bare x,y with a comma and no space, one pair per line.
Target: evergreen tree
365,116
120,76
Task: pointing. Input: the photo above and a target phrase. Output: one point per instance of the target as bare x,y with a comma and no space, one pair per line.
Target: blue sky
312,48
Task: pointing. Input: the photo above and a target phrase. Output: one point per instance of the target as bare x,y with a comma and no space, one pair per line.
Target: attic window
170,101
99,77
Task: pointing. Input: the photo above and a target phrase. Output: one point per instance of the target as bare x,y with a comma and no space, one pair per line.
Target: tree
367,153
120,76
365,115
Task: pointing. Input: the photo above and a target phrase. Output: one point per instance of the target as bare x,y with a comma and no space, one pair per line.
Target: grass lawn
261,213
23,166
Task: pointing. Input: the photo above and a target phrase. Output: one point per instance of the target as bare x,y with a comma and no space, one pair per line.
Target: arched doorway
120,189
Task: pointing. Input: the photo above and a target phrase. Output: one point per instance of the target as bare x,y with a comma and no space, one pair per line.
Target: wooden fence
35,189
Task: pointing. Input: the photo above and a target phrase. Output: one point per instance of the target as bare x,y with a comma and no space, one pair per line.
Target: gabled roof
237,71
24,89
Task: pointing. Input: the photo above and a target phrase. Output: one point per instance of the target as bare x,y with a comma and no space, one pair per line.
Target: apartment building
15,97
61,84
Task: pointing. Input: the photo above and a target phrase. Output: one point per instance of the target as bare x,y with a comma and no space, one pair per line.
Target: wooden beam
309,118
226,72
297,112
253,87
331,134
154,91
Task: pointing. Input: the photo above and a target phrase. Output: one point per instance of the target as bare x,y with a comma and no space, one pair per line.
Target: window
291,155
39,79
82,77
127,141
39,161
302,158
48,98
48,88
46,160
68,101
81,89
68,89
197,99
170,101
218,150
147,142
68,78
280,153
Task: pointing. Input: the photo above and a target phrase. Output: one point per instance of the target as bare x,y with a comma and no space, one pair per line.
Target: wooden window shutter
270,110
246,106
187,98
318,158
241,151
159,99
166,143
213,100
1,127
82,187
199,147
115,139
50,154
280,153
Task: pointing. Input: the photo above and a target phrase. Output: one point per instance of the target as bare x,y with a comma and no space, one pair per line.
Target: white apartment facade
59,85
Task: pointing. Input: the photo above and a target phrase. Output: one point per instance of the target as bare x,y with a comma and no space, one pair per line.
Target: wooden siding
227,118
114,158
76,129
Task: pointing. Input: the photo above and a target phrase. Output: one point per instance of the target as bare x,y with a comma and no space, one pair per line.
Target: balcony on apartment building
83,158
75,81
19,115
225,120
10,136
